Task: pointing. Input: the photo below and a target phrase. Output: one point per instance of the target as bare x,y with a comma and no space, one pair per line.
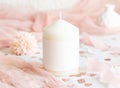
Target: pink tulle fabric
16,73
13,19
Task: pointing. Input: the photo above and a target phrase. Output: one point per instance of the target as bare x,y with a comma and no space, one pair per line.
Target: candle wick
60,15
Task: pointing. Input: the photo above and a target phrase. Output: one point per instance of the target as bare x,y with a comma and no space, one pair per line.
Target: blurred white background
41,4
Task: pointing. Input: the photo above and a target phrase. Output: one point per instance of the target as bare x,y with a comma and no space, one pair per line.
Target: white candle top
60,30
110,18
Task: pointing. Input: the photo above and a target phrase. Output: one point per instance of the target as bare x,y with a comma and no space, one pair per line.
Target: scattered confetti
92,75
65,79
107,59
81,81
82,52
88,84
78,75
83,73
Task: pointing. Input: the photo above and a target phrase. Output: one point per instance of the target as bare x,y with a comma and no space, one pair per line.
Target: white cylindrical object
109,18
61,48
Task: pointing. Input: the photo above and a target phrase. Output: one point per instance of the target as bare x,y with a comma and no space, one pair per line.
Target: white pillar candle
61,48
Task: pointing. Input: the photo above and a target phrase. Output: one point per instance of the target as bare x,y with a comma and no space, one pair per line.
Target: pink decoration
23,43
16,73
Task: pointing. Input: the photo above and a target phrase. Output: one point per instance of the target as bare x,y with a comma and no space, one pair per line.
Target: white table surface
90,81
